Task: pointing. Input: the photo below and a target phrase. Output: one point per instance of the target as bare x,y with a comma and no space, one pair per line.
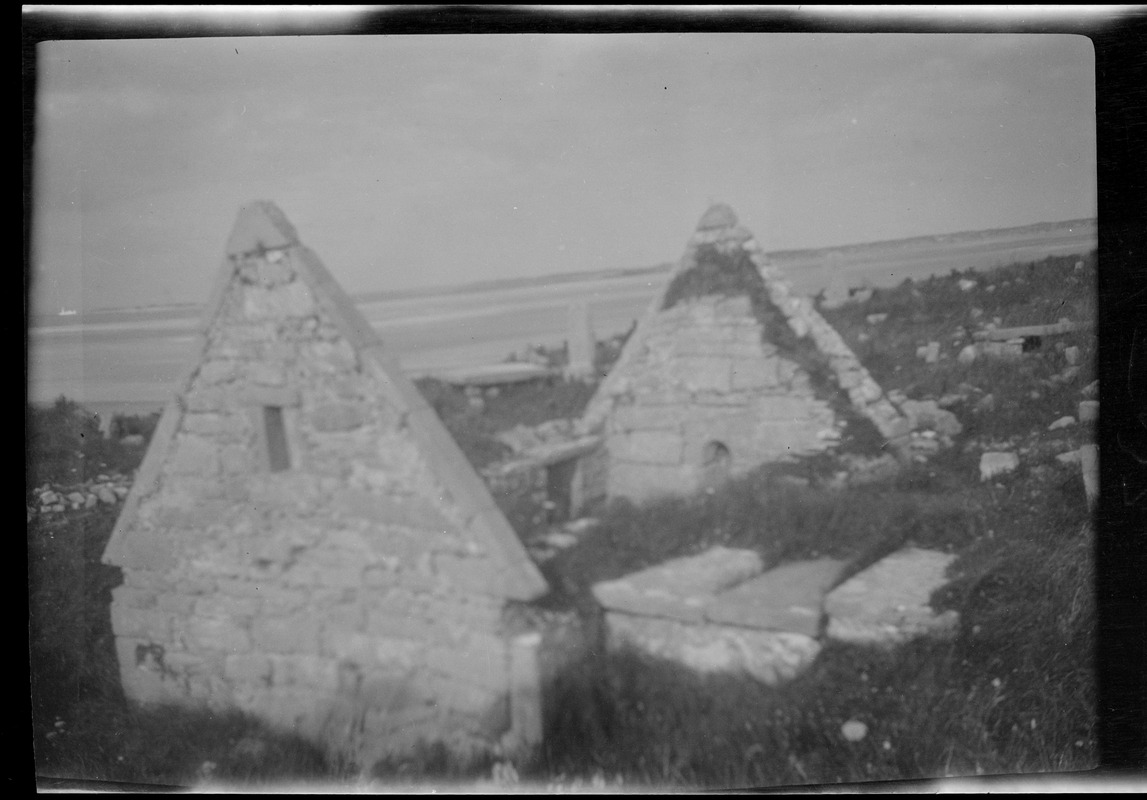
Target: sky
418,161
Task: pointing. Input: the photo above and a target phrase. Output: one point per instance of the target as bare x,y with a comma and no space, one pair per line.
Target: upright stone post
1089,453
526,724
581,343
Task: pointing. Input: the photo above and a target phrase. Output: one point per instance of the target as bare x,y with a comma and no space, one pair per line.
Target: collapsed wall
727,370
305,542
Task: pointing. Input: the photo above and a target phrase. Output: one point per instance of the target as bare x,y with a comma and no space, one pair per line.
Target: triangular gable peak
712,376
295,420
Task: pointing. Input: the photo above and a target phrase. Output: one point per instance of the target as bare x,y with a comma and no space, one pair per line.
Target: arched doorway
715,461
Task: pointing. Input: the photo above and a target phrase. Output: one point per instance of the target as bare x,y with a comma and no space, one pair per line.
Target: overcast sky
410,161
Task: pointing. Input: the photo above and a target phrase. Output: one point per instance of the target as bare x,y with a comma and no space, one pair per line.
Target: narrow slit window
278,453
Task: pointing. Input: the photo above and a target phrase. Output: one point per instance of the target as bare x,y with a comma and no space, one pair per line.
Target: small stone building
727,370
304,540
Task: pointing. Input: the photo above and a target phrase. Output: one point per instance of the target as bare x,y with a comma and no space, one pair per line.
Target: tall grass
1013,692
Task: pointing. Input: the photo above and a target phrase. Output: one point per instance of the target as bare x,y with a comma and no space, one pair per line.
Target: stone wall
703,385
345,598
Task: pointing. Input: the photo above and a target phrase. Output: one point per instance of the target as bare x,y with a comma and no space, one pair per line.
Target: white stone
767,656
967,355
679,588
888,603
1072,355
966,285
1062,422
993,464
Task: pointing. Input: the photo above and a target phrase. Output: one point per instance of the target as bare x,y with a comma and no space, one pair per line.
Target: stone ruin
727,370
304,541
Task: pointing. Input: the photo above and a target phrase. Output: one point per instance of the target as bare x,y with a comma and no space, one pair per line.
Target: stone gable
726,371
304,541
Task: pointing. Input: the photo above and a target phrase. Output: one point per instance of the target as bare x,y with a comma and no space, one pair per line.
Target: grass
1012,693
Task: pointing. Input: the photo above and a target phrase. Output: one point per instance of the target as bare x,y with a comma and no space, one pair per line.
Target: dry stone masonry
304,541
710,383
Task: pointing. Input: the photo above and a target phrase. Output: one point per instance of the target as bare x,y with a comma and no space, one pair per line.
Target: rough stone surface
787,598
888,603
680,588
296,547
995,464
770,657
706,353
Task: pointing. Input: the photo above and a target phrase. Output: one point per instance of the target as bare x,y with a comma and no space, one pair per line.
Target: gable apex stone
719,215
260,226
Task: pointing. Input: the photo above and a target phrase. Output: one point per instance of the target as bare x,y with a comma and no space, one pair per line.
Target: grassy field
1013,693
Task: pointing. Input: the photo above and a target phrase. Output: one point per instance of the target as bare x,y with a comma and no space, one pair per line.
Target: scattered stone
888,603
976,313
967,285
932,355
949,400
1089,411
560,540
1072,355
1090,390
132,440
927,415
1008,349
1070,457
75,498
106,495
91,501
967,355
579,526
876,319
993,464
854,730
986,404
1062,422
990,288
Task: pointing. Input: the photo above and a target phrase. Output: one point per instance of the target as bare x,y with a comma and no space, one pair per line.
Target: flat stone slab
888,603
496,374
681,588
771,657
789,598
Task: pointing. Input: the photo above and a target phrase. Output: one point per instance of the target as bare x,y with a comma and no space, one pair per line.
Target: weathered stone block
220,605
219,634
304,671
337,417
888,603
175,603
194,455
641,482
754,373
209,399
291,634
247,668
680,588
151,624
216,371
647,447
770,657
131,597
788,598
288,300
704,374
